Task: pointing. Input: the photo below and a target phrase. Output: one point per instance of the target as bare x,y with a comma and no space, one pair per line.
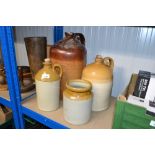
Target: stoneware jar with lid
48,86
77,101
100,74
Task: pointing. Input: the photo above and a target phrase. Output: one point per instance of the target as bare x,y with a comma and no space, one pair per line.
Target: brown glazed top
48,73
100,70
78,89
79,85
72,48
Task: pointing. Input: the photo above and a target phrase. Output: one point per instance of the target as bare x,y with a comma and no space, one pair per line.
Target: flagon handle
58,69
108,61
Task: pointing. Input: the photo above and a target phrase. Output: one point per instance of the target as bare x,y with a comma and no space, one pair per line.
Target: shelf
5,98
5,102
55,119
5,95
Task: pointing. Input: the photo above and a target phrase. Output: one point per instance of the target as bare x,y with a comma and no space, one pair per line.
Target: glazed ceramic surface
71,54
100,74
48,95
48,86
77,102
37,51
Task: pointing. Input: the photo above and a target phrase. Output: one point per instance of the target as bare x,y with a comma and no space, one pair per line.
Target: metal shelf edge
44,120
27,97
5,102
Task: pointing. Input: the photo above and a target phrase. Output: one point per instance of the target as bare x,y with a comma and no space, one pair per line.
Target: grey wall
132,48
29,31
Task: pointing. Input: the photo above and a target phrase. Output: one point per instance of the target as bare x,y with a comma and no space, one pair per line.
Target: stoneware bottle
70,53
48,86
100,74
77,102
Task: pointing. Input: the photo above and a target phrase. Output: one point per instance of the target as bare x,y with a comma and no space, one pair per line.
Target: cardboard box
130,115
5,114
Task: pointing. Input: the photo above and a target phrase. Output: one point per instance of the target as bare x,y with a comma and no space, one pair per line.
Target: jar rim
79,85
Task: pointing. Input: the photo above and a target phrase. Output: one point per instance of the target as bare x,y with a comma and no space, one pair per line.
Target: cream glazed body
76,112
77,102
48,95
101,95
48,86
100,74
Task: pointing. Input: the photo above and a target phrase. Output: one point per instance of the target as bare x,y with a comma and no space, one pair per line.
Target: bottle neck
99,61
48,66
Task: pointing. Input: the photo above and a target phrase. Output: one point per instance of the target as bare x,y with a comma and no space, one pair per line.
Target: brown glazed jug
36,51
70,53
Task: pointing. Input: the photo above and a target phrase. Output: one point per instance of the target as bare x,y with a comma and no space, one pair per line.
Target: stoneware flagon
77,102
100,74
48,86
37,51
71,54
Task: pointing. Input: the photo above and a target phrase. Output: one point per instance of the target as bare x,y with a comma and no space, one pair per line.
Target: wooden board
99,120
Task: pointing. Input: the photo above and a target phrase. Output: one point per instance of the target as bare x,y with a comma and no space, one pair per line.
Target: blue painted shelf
55,119
8,54
27,105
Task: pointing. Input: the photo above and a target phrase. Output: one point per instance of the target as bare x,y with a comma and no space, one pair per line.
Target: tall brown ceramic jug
70,52
36,51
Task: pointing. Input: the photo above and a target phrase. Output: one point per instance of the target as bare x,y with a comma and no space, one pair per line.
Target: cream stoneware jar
48,86
77,102
100,74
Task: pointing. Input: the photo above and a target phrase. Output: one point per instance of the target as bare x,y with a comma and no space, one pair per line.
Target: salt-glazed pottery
48,86
77,102
37,51
71,54
25,78
100,74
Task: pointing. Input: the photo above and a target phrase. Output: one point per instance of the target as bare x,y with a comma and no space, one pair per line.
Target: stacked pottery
48,86
71,54
25,77
3,82
100,74
80,96
77,102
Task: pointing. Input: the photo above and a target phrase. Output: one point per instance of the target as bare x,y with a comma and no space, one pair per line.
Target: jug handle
111,62
55,66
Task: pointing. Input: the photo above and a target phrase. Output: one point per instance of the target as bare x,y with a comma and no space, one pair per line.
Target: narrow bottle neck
48,66
98,59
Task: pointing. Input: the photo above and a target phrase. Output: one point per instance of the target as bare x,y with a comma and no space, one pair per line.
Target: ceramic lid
47,73
101,69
